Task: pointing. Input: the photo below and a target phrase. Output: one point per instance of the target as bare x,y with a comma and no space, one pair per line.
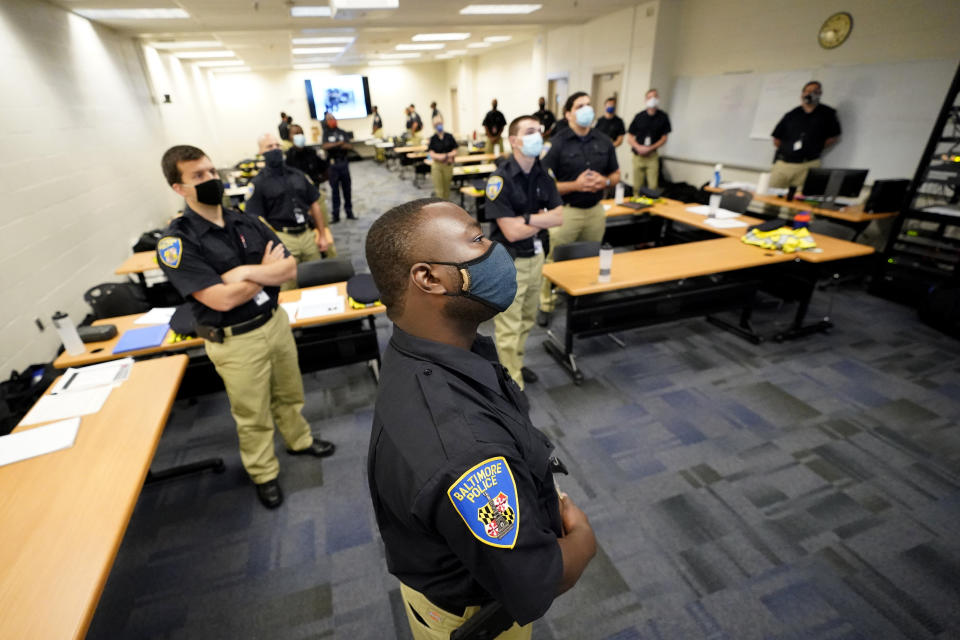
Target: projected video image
344,96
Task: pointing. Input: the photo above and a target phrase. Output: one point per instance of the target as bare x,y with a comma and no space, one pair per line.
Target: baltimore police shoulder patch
494,185
170,250
486,498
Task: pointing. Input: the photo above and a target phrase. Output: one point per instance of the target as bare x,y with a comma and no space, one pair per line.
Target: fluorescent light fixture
325,40
306,51
497,38
420,47
186,44
491,9
309,12
231,69
444,56
457,52
132,14
360,5
478,45
399,56
312,65
439,37
383,63
204,54
220,63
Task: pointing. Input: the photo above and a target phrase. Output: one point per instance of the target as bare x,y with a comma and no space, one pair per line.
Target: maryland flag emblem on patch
170,250
486,499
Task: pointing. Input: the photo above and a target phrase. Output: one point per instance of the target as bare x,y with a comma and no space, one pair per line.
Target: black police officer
336,143
460,479
229,266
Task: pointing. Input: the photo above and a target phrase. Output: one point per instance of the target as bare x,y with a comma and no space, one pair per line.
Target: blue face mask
490,279
299,139
585,116
439,128
532,145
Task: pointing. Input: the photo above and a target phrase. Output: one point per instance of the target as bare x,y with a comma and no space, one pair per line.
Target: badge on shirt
798,145
486,498
298,215
537,246
261,298
494,185
647,141
170,250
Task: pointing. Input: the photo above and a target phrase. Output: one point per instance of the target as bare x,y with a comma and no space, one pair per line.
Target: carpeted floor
782,491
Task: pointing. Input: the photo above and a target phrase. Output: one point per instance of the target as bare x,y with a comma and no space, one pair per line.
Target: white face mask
653,103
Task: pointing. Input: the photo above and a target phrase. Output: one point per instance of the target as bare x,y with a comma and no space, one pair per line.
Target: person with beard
336,143
229,266
460,479
287,201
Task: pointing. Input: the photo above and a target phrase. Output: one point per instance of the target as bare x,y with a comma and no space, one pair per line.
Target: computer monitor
831,183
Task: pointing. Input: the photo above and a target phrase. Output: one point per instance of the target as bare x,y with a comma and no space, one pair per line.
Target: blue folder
144,338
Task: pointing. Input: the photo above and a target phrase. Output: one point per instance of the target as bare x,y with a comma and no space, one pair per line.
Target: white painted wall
79,168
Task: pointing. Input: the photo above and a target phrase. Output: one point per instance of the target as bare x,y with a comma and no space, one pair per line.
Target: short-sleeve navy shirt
646,126
570,155
515,193
612,127
811,130
194,252
283,197
440,412
442,143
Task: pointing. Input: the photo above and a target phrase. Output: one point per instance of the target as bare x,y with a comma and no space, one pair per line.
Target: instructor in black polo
801,137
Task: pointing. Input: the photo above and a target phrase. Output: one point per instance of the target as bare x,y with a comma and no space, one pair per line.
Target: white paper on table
96,375
607,207
321,294
291,308
324,307
36,442
704,210
67,405
157,315
724,223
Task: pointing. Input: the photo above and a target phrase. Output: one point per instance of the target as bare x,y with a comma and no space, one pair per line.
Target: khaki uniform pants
513,325
303,247
646,171
491,142
442,176
578,225
262,375
441,623
414,137
791,174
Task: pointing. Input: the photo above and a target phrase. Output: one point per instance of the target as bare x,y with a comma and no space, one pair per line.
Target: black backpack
21,391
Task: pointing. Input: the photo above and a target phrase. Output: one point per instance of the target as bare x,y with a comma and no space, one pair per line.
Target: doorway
557,91
454,112
604,86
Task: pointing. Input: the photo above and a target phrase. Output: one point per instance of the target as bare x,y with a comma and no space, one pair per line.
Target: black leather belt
298,229
248,325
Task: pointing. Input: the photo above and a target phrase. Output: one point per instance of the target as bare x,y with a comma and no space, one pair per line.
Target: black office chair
326,271
575,250
735,200
112,299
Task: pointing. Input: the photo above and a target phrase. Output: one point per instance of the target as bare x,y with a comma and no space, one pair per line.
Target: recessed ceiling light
437,37
497,38
489,9
364,4
204,54
309,12
220,63
325,40
132,14
478,45
231,70
399,56
305,51
313,65
420,47
187,44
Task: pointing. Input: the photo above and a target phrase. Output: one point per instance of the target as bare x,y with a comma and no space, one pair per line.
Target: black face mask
210,192
273,158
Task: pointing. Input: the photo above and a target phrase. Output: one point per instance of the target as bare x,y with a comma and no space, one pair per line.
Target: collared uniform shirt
338,154
612,127
802,135
442,143
570,155
441,411
194,252
414,118
512,193
546,118
494,121
306,159
649,127
282,196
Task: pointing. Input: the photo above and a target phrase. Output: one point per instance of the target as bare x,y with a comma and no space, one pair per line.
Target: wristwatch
526,219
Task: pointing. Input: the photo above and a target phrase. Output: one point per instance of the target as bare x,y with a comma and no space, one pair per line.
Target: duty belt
217,334
297,229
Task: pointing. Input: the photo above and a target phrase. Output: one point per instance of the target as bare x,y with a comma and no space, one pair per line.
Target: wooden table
410,149
479,169
64,514
138,263
852,214
468,159
103,350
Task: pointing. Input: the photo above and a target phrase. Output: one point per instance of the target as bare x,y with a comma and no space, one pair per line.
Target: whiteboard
887,112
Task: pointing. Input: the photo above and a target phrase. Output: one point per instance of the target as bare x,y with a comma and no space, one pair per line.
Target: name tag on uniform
798,145
299,216
647,141
537,246
261,298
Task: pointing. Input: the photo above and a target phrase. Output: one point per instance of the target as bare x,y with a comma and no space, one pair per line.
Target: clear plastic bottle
606,262
618,193
717,170
68,334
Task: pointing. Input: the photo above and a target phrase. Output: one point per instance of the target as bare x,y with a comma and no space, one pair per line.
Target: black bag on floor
148,240
19,392
685,192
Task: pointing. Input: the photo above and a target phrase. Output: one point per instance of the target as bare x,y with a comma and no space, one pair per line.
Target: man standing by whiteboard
801,136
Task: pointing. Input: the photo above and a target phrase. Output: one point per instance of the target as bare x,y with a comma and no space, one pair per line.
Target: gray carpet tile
805,490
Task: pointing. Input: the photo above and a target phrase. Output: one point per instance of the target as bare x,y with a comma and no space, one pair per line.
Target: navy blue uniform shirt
511,193
194,252
442,143
282,196
570,155
646,126
811,130
453,450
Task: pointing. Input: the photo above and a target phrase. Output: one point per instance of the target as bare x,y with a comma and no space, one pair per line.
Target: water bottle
763,184
68,334
618,193
717,168
606,261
